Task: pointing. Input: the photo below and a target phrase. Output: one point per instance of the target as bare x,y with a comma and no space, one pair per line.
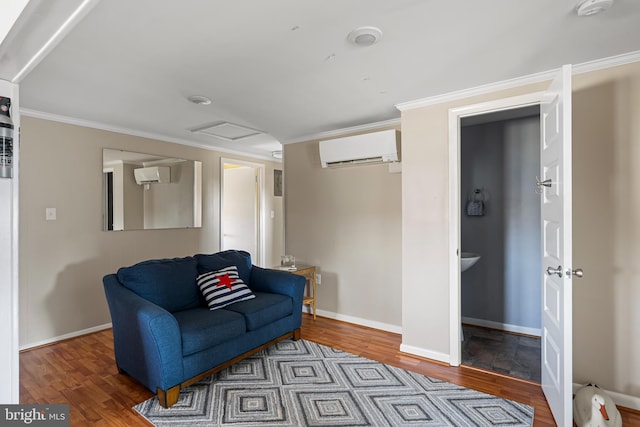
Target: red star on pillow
225,281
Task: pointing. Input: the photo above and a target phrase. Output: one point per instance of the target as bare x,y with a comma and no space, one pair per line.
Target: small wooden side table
309,273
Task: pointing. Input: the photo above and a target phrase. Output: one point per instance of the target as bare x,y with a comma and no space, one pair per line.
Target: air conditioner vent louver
367,161
365,149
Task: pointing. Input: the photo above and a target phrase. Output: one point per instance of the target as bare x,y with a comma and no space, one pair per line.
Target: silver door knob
551,271
577,272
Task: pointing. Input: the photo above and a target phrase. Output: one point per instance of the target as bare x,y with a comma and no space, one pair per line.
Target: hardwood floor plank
82,372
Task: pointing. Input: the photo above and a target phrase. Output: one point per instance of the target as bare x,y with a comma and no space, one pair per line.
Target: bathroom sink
467,259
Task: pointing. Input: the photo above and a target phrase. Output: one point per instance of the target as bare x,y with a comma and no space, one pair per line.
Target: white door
240,209
555,163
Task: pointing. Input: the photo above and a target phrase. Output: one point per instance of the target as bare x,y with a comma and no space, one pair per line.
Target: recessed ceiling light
199,100
365,36
592,7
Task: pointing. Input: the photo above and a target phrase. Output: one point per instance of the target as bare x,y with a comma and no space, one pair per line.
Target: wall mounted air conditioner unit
368,148
153,175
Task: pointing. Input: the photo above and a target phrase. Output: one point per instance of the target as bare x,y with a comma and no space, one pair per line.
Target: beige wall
62,262
347,221
425,224
606,229
606,234
132,199
170,205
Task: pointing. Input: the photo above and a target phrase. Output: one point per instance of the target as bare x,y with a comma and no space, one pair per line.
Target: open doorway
500,229
242,213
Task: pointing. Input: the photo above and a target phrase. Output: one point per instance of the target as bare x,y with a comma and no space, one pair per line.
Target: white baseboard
502,326
65,336
620,399
422,352
417,351
358,321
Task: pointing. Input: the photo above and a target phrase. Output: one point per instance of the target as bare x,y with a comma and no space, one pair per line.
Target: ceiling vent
227,131
365,149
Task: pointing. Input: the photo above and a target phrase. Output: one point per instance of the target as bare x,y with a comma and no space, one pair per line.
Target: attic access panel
227,131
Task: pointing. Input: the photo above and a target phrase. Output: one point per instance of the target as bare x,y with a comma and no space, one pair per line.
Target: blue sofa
165,335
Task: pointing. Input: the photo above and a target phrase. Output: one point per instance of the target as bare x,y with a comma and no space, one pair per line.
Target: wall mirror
150,192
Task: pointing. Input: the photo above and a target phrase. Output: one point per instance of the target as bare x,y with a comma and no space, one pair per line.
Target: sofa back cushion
220,260
169,283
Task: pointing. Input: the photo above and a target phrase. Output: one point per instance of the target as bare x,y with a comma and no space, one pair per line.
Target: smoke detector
592,7
365,36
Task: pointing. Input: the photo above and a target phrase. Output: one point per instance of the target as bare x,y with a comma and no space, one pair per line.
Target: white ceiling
285,67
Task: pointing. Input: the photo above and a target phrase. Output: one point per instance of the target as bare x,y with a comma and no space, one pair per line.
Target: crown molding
475,91
611,61
149,135
41,26
339,132
585,67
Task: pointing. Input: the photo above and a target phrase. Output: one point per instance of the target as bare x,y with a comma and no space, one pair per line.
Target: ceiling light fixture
199,100
365,36
592,7
277,154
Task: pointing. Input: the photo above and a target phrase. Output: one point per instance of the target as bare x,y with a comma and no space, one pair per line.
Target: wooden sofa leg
296,334
168,398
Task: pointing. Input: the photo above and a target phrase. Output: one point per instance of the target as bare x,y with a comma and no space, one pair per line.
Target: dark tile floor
503,352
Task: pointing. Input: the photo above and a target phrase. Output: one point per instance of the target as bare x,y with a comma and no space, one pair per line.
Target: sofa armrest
279,282
147,340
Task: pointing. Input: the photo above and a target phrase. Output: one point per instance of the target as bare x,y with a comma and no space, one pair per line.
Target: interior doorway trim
455,116
261,202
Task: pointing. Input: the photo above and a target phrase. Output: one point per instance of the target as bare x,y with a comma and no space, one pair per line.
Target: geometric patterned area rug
301,383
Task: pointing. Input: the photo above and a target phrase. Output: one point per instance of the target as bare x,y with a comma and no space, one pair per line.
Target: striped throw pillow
223,287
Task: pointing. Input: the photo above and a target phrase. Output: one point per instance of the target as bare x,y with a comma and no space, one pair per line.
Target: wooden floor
82,372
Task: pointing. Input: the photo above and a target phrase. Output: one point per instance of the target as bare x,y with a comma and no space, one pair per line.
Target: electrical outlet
318,278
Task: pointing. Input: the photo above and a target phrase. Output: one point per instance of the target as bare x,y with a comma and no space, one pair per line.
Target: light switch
50,214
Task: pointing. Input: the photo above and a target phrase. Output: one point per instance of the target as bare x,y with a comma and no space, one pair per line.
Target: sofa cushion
217,261
169,283
223,287
202,329
263,309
